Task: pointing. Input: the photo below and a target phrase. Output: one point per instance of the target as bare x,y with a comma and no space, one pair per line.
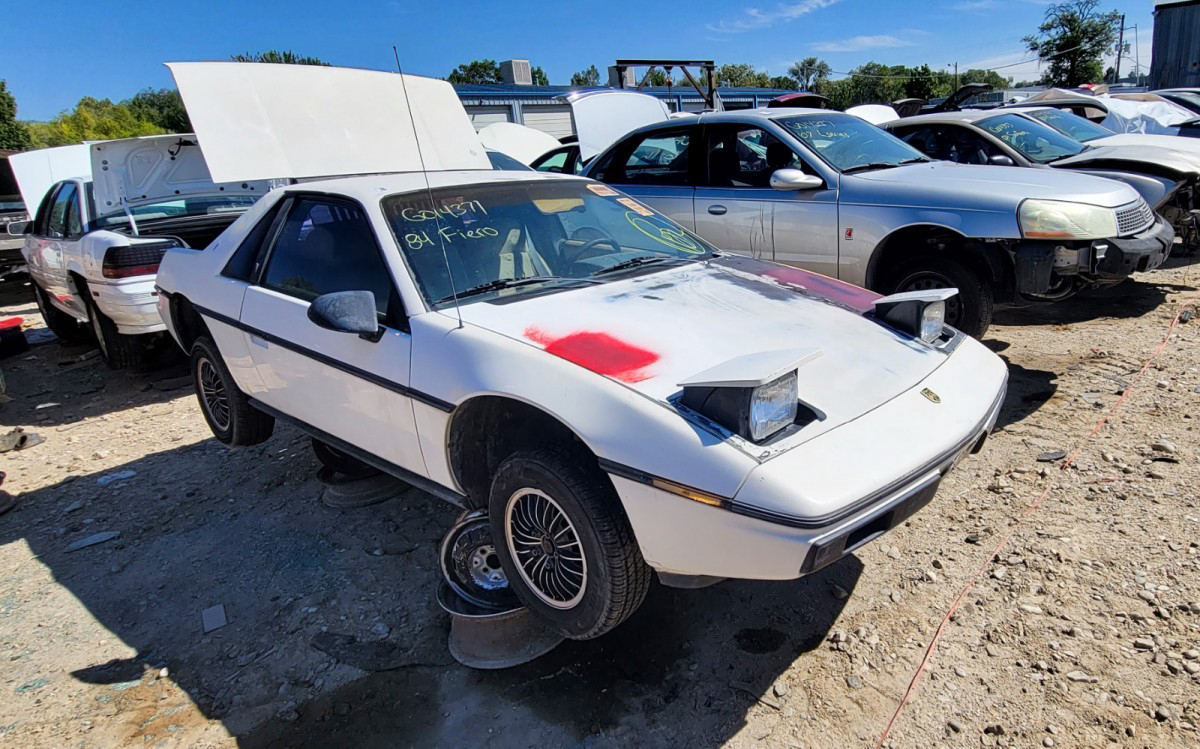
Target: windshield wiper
634,262
878,165
506,283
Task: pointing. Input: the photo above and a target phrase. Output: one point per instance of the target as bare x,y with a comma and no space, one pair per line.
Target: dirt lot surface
1084,632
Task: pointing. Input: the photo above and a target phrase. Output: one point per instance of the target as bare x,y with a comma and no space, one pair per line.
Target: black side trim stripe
370,377
388,467
792,521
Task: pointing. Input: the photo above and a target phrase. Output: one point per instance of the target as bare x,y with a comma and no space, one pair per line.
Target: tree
655,77
12,133
809,72
162,107
92,119
475,72
539,76
741,74
286,57
1073,39
985,76
589,77
785,82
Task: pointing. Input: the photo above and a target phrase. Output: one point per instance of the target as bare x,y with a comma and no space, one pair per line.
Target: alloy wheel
546,548
213,394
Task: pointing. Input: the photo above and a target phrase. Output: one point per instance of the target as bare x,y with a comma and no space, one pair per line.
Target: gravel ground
1084,631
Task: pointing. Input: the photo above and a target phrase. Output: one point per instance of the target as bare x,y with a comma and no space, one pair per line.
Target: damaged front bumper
1042,267
1136,254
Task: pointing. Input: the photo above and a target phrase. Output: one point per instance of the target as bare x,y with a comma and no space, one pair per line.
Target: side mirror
794,179
347,312
18,228
1001,160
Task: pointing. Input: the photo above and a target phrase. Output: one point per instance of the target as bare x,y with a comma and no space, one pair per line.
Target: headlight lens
933,319
1058,219
773,406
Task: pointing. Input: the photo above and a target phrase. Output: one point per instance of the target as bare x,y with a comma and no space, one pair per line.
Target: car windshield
1189,99
1080,128
1033,139
849,144
178,208
492,241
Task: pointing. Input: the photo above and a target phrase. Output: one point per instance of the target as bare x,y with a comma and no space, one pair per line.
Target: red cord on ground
987,561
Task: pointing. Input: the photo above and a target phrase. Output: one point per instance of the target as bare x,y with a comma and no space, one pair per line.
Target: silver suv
830,192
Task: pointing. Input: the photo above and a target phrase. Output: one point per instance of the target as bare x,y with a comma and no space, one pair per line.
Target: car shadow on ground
1028,389
201,525
1132,298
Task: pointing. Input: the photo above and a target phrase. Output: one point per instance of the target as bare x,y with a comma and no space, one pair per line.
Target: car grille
1134,218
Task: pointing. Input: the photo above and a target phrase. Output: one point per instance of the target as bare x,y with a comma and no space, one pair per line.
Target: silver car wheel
212,393
545,546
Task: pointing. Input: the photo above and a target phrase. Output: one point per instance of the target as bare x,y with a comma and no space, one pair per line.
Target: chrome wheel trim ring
212,393
545,548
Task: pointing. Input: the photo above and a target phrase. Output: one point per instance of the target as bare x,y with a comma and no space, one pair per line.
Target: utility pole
1137,57
955,64
1120,48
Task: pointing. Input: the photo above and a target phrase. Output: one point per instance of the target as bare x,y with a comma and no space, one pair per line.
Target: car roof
966,115
740,116
365,188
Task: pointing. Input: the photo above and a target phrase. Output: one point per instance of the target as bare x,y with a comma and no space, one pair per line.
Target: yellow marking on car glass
635,206
558,205
603,191
658,229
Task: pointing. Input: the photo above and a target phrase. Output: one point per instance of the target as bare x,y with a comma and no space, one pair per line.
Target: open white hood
266,121
602,117
522,143
36,171
153,169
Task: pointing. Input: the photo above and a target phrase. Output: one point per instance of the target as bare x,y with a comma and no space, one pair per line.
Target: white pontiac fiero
619,396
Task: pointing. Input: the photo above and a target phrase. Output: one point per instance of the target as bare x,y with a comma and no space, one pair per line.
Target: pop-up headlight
921,314
753,396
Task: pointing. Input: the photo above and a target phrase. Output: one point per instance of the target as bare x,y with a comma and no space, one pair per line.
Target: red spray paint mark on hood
598,352
850,295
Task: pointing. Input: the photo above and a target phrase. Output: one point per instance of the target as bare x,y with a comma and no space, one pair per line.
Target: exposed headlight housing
755,397
921,314
1058,219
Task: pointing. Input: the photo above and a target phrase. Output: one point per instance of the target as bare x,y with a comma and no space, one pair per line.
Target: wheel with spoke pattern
564,541
970,310
226,408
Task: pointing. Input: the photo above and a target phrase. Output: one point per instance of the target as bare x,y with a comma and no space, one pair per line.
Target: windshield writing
1033,139
847,142
1080,128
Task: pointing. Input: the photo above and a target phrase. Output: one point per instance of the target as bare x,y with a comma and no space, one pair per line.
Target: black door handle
717,210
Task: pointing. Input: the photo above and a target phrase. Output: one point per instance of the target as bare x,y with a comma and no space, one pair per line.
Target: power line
939,74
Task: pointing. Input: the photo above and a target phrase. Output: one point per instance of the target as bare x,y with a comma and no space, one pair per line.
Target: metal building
539,106
1176,56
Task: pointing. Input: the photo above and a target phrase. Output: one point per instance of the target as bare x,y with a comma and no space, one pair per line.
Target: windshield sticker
635,206
603,191
661,231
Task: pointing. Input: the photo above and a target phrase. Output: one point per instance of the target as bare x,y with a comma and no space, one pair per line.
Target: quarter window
326,246
56,226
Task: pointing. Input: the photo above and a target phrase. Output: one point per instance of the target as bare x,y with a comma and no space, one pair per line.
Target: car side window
56,225
658,158
554,163
326,246
744,156
74,218
41,220
950,143
242,263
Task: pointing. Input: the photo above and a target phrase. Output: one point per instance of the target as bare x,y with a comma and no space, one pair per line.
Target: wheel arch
990,259
186,323
486,429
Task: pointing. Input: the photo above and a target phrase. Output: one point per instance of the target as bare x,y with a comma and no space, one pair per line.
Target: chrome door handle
717,210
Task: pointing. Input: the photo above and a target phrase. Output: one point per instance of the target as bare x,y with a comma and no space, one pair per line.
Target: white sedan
619,395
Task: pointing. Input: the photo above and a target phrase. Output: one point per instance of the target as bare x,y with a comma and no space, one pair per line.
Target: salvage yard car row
667,364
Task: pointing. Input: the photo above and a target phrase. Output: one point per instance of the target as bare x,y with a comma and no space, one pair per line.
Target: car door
339,384
57,232
656,168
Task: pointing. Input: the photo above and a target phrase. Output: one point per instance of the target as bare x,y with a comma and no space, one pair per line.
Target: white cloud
757,18
972,5
860,43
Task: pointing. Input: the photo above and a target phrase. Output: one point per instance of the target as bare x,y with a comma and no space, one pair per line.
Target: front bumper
131,304
1137,254
852,484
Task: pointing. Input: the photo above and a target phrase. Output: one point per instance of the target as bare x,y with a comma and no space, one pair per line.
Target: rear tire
60,323
339,462
118,351
227,409
564,542
970,311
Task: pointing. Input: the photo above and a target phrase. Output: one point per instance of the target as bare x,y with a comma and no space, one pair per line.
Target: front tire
970,311
227,410
564,542
60,323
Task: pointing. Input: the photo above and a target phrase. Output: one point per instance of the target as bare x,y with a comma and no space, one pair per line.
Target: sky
56,51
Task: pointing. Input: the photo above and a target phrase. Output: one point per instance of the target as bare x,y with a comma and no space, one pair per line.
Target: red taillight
134,260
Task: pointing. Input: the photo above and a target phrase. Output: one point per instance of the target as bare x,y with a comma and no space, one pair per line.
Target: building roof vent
516,71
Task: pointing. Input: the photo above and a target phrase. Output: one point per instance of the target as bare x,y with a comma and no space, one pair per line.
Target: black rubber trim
386,466
163,292
973,438
371,377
